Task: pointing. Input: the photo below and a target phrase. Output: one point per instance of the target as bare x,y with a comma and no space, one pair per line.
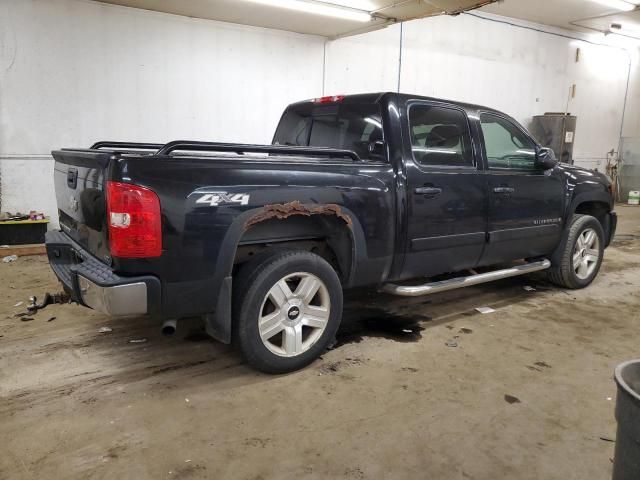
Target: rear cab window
348,126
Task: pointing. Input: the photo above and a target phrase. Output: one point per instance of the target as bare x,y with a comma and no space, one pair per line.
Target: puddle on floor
363,322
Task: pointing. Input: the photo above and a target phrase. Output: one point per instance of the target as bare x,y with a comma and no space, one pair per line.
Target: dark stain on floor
197,336
361,322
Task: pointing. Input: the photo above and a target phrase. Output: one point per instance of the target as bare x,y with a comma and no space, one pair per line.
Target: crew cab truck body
363,190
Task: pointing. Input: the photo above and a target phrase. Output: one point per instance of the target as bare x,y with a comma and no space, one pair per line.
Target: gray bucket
626,465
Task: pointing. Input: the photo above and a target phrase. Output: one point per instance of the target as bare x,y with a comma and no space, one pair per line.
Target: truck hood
581,174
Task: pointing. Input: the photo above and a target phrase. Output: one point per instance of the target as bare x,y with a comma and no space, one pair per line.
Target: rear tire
580,255
287,309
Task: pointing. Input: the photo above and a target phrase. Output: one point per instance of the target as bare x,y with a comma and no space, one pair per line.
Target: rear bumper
93,284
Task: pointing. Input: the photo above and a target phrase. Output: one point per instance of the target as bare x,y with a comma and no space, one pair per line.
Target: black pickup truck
364,190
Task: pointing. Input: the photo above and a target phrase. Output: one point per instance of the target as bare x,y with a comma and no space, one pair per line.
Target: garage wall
73,72
520,71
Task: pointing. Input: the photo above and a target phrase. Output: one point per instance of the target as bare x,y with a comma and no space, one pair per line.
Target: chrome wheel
586,254
294,314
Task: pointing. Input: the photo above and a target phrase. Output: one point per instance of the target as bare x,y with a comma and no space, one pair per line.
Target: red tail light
133,215
331,99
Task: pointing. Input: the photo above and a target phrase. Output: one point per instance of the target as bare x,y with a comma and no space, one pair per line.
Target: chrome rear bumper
127,299
93,283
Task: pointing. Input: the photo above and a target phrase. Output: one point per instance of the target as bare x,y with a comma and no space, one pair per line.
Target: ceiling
259,13
580,15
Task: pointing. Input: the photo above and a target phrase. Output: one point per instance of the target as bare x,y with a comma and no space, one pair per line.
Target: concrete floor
527,393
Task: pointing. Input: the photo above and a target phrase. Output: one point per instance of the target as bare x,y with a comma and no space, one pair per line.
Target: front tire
287,308
580,254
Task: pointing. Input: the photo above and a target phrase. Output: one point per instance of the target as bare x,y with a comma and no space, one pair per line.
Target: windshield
353,127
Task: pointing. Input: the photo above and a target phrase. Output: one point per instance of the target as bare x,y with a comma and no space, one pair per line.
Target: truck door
446,224
525,202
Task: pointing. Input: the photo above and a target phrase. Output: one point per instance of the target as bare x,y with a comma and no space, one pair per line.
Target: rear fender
218,323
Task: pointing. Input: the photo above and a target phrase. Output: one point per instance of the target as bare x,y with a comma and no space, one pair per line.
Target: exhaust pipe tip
169,327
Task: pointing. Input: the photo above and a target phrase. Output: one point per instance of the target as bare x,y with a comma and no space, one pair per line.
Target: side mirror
546,158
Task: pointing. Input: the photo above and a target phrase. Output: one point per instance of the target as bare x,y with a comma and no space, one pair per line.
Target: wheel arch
595,204
284,225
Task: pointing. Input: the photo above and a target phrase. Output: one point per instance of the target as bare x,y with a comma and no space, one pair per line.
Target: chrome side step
460,282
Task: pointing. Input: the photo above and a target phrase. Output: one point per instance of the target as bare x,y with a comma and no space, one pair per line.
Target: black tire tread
246,281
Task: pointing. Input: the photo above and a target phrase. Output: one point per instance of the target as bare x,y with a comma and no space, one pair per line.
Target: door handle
504,190
429,191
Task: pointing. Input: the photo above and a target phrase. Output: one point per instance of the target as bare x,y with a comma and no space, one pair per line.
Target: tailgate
79,177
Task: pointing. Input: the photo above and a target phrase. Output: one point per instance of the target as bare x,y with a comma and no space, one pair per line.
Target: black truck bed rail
126,145
160,149
240,149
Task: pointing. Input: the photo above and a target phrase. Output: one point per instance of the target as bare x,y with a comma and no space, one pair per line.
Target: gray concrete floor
527,393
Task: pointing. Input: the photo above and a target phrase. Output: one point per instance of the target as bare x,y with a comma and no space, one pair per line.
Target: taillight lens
133,215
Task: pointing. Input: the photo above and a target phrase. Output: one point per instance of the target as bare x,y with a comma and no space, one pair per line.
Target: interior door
445,192
525,202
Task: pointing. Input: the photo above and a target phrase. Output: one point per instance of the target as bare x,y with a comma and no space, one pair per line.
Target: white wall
74,71
519,71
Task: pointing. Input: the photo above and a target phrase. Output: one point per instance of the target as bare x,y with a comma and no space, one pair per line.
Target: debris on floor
51,319
10,258
105,330
511,399
451,343
26,319
466,331
137,340
529,288
485,310
18,304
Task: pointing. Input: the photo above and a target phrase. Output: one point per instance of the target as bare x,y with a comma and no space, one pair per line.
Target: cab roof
381,97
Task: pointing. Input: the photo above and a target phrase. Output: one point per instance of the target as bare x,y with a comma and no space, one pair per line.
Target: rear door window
440,136
353,127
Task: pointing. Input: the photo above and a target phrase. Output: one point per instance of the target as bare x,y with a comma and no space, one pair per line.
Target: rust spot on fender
286,210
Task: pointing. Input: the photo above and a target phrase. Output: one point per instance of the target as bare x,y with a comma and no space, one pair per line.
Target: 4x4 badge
215,199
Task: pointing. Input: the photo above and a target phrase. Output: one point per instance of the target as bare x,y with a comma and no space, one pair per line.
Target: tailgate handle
72,178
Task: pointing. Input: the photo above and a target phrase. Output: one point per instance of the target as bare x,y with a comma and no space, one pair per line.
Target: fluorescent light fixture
617,4
319,8
630,31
